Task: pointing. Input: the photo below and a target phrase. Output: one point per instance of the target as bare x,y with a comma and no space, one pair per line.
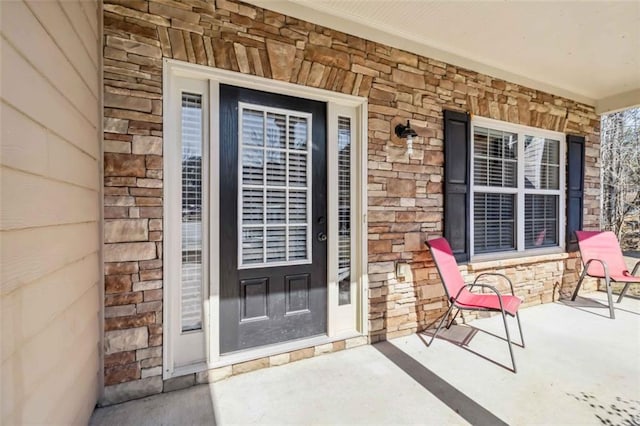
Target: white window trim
341,316
337,103
521,131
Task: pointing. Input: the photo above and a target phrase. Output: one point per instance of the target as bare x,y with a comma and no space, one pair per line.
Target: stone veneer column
405,194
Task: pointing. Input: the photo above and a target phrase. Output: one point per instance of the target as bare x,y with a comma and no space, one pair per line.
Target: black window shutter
457,136
575,189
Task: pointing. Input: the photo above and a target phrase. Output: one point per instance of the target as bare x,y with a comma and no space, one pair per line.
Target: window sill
507,260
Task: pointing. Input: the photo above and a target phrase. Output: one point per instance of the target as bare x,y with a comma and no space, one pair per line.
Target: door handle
322,236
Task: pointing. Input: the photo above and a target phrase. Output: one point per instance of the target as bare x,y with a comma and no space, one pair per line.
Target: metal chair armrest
496,274
635,268
604,266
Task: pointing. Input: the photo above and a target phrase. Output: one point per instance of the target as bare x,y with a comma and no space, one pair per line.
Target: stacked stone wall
405,201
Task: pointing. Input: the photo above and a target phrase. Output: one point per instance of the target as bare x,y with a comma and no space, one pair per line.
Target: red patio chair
604,249
460,296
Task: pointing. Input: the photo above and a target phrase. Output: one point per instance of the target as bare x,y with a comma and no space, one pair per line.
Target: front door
273,218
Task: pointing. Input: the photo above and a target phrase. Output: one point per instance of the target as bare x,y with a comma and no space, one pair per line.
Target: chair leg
622,293
612,314
506,329
520,328
453,319
575,292
444,318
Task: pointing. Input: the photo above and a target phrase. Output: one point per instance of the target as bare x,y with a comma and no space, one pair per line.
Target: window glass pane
480,174
253,127
276,130
344,210
297,206
541,163
252,166
495,158
191,271
480,158
276,168
298,133
252,245
298,243
276,244
541,220
297,169
276,207
252,206
480,141
494,222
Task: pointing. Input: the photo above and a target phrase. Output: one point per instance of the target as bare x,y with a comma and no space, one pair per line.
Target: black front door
273,218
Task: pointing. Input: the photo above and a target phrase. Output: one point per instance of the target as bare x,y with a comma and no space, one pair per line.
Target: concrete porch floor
578,367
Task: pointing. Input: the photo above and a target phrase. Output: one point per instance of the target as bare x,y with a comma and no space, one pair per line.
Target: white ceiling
586,50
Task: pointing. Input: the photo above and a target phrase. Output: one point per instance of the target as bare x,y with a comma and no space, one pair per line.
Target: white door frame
338,104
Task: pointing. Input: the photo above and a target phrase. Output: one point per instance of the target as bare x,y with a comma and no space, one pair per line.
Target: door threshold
279,348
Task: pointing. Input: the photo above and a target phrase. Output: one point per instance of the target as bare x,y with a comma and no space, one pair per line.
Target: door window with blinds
274,202
517,202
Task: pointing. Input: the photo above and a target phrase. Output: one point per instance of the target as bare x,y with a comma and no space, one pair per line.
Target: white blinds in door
191,126
274,200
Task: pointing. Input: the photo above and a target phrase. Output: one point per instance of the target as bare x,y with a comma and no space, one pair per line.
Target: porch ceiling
587,51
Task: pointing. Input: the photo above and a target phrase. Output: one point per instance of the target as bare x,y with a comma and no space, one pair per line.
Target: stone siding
405,194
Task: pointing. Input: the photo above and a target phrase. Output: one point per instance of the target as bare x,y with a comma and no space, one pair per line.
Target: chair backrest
602,245
447,266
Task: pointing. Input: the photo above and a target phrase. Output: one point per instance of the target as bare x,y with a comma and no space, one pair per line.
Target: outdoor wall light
407,132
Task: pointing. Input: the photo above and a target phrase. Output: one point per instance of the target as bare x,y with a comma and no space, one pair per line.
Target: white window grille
274,201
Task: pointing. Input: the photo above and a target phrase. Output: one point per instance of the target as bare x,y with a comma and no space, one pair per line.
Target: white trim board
186,69
189,345
338,104
520,130
618,102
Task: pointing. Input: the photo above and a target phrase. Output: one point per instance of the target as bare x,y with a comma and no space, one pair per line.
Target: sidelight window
344,210
191,132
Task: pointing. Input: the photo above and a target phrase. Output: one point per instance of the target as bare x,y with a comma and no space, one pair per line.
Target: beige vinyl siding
50,211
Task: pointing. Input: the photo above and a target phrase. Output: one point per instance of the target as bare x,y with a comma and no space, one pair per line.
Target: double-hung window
517,199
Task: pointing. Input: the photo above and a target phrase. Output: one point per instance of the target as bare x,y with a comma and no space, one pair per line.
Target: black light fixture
407,132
